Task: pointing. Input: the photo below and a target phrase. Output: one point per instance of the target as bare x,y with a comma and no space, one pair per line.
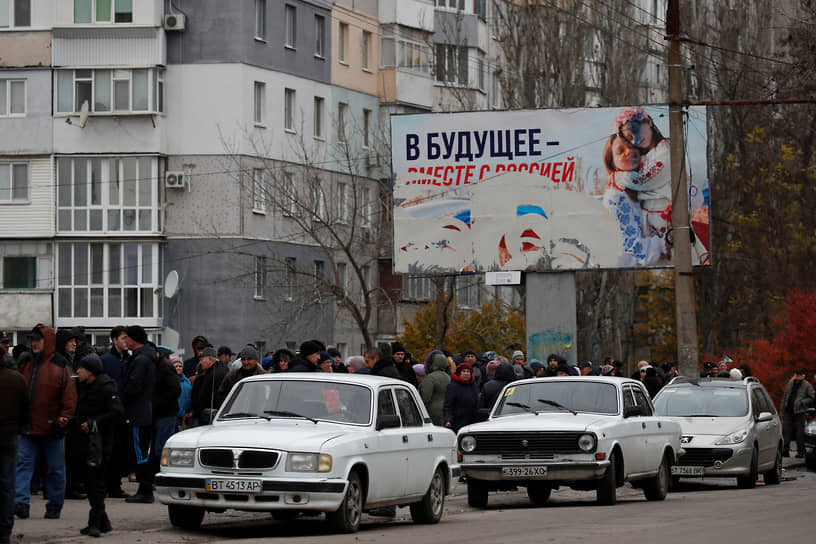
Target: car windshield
315,400
696,401
563,396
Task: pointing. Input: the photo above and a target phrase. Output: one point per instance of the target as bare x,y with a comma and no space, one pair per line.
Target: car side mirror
482,414
387,422
764,416
630,411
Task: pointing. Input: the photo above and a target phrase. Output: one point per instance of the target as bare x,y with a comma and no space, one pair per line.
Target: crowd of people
76,419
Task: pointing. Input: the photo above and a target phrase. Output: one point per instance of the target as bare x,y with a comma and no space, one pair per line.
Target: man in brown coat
53,397
13,408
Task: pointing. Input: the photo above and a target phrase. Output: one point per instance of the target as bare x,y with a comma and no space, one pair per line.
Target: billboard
542,190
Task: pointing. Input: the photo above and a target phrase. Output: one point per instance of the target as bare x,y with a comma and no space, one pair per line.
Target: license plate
680,470
233,486
523,472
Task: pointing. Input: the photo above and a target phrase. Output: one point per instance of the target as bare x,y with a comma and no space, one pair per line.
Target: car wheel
608,485
346,519
774,476
185,517
477,493
539,492
655,489
749,480
429,509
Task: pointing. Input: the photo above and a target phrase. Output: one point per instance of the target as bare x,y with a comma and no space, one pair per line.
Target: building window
319,106
452,4
320,36
99,11
366,128
319,273
108,195
14,182
342,203
289,26
258,191
290,279
318,200
12,97
260,277
110,91
342,43
107,280
365,207
289,196
260,20
451,64
417,288
289,109
480,71
480,8
409,52
342,119
258,102
366,50
342,277
15,13
19,272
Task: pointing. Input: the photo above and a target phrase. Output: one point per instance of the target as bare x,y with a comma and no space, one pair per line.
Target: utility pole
685,300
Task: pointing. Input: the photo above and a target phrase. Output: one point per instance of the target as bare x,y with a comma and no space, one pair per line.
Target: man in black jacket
113,364
306,358
137,396
204,402
99,410
165,405
13,411
380,366
406,372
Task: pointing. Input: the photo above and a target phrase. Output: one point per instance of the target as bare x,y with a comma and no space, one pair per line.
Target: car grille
704,457
523,445
225,458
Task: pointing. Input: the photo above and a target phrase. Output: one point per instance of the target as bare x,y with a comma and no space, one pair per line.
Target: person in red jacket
53,397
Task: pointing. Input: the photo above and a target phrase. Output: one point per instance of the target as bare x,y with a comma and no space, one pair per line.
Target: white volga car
582,432
292,443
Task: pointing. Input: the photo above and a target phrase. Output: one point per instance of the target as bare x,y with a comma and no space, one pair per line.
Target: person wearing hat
249,367
5,341
225,354
324,362
405,371
520,365
306,359
205,402
191,364
99,410
585,368
53,401
13,410
709,370
337,365
461,398
434,386
137,396
798,397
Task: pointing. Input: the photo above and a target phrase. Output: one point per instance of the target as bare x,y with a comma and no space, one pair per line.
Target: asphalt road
698,512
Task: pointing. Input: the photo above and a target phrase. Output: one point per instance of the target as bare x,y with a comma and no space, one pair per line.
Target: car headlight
308,462
587,442
467,444
178,457
811,427
733,438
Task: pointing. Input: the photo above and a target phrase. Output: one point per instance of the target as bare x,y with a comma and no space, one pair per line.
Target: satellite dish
171,284
83,114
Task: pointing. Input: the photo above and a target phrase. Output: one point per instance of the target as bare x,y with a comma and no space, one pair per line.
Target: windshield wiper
289,414
522,406
557,405
243,414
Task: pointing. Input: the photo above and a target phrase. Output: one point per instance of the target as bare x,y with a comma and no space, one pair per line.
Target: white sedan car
291,443
582,432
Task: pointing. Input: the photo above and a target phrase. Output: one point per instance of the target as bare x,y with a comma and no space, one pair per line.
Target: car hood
540,422
711,426
277,435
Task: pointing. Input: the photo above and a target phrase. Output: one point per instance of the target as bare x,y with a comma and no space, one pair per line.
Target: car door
417,443
631,435
763,429
388,463
654,436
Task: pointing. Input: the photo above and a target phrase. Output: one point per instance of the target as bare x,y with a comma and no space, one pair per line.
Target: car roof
614,380
359,379
714,382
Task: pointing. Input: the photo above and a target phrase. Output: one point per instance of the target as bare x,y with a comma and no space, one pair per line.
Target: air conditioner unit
174,21
174,180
